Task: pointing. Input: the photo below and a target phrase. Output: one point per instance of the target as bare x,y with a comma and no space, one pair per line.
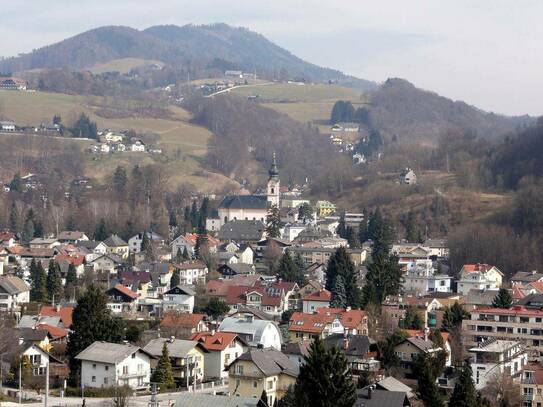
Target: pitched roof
13,285
54,331
350,319
421,344
181,290
257,313
181,320
189,265
215,341
254,327
115,241
352,345
322,295
238,268
75,259
125,290
392,384
527,276
31,334
238,295
300,348
70,235
64,312
313,323
380,398
245,202
242,230
478,267
107,352
177,348
271,362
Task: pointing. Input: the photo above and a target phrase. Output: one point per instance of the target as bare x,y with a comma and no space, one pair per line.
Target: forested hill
216,46
399,108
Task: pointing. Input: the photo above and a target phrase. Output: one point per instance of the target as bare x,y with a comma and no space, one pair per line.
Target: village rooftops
71,235
115,241
242,230
13,285
515,310
312,323
215,341
479,268
181,320
63,312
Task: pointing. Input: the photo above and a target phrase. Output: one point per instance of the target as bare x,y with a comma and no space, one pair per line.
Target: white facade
133,371
479,280
192,275
216,360
291,231
138,147
183,302
255,332
213,224
494,358
309,306
420,278
38,358
230,214
11,301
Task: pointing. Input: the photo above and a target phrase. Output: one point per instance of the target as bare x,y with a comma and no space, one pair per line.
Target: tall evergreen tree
339,297
28,228
273,222
324,379
503,299
16,184
381,233
194,215
427,388
120,180
176,279
453,316
14,218
288,270
384,278
305,213
412,319
38,291
464,393
411,230
340,263
342,227
163,373
363,227
54,281
352,237
71,275
100,233
172,219
186,254
91,321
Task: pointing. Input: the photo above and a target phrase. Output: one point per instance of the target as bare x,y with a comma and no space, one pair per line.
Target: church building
252,207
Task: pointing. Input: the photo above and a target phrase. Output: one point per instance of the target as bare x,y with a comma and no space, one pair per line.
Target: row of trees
47,286
344,111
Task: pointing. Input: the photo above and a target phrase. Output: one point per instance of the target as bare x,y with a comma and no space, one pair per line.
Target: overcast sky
485,52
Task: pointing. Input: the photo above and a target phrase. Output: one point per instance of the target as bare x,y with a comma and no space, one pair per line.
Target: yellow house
186,357
116,245
262,369
325,208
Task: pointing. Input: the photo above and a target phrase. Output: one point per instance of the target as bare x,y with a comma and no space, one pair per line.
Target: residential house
310,288
315,300
222,349
271,298
188,242
359,350
531,384
292,230
494,357
13,292
179,298
408,177
354,321
137,146
325,208
182,325
64,314
262,369
39,337
37,358
117,246
187,358
134,243
6,125
7,239
12,83
319,254
438,248
479,277
192,272
297,351
304,326
420,278
105,364
43,243
64,261
107,263
255,332
122,300
228,271
394,308
526,277
370,397
518,323
410,348
92,249
68,236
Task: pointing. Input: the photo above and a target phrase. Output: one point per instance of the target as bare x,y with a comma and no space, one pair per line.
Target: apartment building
531,385
517,323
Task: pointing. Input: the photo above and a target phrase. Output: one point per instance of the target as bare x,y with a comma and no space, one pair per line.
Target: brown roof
312,323
216,341
321,295
54,331
238,295
349,319
75,259
188,265
65,313
126,291
178,320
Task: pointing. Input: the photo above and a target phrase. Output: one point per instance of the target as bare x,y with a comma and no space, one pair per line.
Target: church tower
273,184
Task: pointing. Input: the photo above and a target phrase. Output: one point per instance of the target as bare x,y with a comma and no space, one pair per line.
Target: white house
105,148
7,126
223,348
408,177
292,230
479,277
134,243
192,272
105,364
179,298
494,357
420,278
317,299
37,357
106,263
255,332
13,292
138,146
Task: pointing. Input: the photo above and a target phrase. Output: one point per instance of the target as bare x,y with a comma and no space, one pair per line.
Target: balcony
132,375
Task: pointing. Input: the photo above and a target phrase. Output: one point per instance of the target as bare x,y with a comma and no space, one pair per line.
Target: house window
93,379
105,380
255,384
270,385
125,369
94,365
35,359
133,356
239,369
106,368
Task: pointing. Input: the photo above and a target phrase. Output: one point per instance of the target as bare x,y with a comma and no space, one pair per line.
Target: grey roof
392,384
239,268
481,297
242,326
259,314
206,400
245,202
271,362
30,321
12,285
527,276
70,235
435,242
381,398
242,230
115,241
420,343
357,345
114,257
107,352
180,290
177,348
532,301
30,334
296,348
88,244
40,240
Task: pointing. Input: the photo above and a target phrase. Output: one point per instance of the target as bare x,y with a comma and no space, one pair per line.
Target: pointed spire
274,173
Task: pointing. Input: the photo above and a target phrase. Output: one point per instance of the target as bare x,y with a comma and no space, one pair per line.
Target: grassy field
183,143
123,65
297,92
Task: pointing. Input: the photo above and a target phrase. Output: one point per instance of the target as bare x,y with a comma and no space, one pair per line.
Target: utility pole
1,374
46,384
20,380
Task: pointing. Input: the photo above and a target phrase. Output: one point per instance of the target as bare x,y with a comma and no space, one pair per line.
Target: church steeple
274,173
273,184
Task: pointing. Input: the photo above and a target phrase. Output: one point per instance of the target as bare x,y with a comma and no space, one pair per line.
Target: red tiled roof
217,341
126,291
321,295
516,310
472,268
6,236
193,237
54,331
536,285
349,319
177,320
518,294
313,323
65,313
75,259
238,295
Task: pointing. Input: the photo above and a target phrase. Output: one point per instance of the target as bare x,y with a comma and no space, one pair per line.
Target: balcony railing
132,375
